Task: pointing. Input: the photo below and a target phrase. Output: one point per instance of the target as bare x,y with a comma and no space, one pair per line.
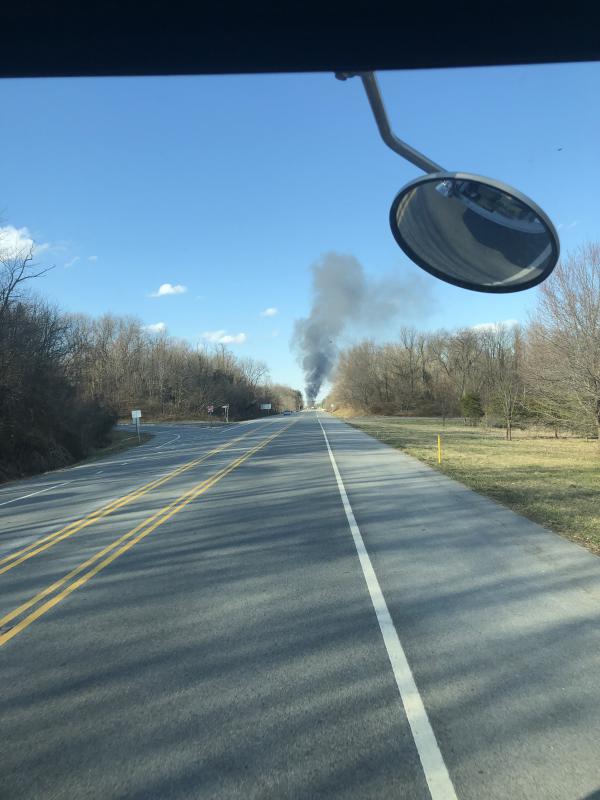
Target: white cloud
222,337
16,241
156,327
492,326
70,263
569,227
239,338
269,312
275,333
169,288
92,258
213,336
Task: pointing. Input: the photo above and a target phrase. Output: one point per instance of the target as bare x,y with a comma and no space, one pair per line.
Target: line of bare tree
547,371
65,379
117,361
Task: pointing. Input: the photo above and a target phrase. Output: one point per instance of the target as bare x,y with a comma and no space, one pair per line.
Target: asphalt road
282,610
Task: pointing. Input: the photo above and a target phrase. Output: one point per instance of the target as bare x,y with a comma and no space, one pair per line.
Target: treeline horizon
545,372
65,379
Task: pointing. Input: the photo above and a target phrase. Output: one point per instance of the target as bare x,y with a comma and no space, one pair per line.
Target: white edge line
41,491
174,439
436,773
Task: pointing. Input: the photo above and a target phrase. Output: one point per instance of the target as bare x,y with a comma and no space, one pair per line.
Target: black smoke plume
343,296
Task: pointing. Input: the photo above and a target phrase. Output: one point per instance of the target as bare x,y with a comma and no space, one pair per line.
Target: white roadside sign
136,415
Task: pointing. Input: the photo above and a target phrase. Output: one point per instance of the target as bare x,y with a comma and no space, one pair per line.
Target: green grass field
555,482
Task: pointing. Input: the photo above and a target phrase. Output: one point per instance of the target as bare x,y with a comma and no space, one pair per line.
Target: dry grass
555,482
119,440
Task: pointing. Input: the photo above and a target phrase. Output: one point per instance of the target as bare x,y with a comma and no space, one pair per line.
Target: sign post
136,415
265,406
226,410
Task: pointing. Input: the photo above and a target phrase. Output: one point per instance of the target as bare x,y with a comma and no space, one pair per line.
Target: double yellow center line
19,556
81,574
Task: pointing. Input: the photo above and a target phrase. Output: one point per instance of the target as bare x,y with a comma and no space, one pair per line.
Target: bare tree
459,355
565,337
16,267
507,375
357,379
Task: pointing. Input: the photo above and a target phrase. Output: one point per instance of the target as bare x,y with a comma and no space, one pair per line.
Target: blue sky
232,186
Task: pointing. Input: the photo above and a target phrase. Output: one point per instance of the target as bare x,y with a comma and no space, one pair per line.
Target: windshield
282,515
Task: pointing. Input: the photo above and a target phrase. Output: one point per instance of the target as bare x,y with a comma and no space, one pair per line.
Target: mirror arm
389,137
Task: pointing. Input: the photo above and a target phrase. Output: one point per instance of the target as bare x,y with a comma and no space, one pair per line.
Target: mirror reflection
472,233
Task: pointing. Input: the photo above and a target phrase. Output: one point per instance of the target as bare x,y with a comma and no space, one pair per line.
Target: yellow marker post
439,448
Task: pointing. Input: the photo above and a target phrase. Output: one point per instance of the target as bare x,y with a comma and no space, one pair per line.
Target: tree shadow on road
235,651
